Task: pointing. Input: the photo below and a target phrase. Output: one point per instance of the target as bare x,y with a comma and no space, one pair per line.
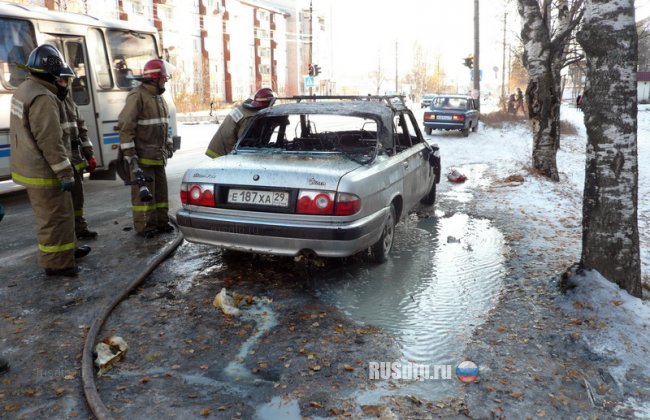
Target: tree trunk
542,90
610,236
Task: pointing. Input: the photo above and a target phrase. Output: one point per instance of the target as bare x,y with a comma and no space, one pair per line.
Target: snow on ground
618,324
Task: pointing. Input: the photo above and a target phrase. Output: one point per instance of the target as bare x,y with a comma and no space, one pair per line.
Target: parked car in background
426,100
330,176
451,112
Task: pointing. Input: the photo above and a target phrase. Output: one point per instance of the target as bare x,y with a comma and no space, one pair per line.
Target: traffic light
316,69
469,61
311,70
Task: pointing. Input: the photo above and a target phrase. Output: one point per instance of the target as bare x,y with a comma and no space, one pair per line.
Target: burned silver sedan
329,176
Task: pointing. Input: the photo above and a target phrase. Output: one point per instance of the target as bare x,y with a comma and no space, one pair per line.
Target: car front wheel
380,250
475,127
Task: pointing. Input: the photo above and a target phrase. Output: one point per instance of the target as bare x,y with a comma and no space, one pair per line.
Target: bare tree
378,76
547,27
610,235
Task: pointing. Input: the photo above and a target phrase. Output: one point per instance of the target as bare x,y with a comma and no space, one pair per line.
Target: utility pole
477,63
311,38
396,74
503,62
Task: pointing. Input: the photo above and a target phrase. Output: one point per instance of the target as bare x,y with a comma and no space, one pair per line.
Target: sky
366,32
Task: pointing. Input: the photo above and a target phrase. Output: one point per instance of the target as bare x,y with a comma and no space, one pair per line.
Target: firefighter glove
67,184
92,164
169,149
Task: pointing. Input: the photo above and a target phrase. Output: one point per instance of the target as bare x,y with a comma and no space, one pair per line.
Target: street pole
503,62
396,74
477,62
310,41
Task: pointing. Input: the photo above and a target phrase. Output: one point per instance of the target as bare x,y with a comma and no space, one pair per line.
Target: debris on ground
110,351
226,303
455,176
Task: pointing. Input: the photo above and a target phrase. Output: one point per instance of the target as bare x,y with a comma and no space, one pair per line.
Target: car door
472,112
411,154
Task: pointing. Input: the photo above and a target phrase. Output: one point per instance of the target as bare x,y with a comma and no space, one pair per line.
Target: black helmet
46,59
66,71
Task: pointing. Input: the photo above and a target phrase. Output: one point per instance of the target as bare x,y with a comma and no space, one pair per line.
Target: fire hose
87,370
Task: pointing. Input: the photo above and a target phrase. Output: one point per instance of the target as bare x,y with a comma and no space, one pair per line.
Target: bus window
75,54
130,51
17,40
97,51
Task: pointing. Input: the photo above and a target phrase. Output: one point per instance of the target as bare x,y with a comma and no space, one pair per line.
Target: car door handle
406,164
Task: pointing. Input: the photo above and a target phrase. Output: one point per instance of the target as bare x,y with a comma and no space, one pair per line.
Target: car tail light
458,118
346,204
315,202
428,116
198,194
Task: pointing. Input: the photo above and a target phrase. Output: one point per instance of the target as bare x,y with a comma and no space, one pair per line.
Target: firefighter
237,121
144,137
83,156
40,161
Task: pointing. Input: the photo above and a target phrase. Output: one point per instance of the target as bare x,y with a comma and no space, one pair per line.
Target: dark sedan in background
451,112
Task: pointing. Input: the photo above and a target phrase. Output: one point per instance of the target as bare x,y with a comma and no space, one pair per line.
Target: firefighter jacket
39,156
144,125
232,127
76,132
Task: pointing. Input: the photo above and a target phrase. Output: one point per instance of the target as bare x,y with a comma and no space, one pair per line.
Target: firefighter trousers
150,215
54,226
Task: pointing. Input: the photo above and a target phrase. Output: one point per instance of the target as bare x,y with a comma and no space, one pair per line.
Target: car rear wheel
427,130
465,132
430,198
380,250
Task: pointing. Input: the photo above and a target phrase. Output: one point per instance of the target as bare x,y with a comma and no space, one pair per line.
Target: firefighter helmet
263,98
66,71
156,69
45,59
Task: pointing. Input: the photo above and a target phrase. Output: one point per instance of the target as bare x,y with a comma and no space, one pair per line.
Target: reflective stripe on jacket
76,133
144,123
39,155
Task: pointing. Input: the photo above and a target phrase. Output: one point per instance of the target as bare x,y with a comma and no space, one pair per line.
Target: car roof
455,96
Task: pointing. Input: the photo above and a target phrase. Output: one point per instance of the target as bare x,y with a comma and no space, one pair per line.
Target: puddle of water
444,274
279,408
265,319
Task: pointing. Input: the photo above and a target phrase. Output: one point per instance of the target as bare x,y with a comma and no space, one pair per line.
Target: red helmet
263,98
155,69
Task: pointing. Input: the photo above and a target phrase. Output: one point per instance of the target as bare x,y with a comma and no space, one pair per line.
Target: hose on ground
87,370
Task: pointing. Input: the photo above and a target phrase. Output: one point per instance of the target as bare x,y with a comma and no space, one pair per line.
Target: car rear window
449,103
311,133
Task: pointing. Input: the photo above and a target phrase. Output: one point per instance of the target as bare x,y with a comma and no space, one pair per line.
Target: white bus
103,53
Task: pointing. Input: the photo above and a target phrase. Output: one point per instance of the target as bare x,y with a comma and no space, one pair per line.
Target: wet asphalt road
305,352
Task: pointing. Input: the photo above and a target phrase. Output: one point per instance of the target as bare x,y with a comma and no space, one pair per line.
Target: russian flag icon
467,371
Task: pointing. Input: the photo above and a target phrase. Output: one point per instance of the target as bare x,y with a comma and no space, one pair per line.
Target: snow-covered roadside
544,353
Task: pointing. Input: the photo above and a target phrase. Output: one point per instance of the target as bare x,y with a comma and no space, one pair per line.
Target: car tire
475,127
380,250
465,132
427,130
430,198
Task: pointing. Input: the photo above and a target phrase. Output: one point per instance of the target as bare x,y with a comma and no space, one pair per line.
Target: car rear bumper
446,125
280,236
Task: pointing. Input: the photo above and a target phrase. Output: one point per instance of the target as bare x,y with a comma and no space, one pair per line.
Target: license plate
259,198
444,117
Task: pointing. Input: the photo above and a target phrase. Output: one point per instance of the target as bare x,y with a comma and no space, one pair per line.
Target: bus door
74,51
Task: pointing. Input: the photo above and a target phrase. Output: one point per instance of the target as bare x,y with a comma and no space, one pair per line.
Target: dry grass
499,119
186,102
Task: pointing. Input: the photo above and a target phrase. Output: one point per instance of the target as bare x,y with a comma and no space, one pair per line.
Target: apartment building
224,50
